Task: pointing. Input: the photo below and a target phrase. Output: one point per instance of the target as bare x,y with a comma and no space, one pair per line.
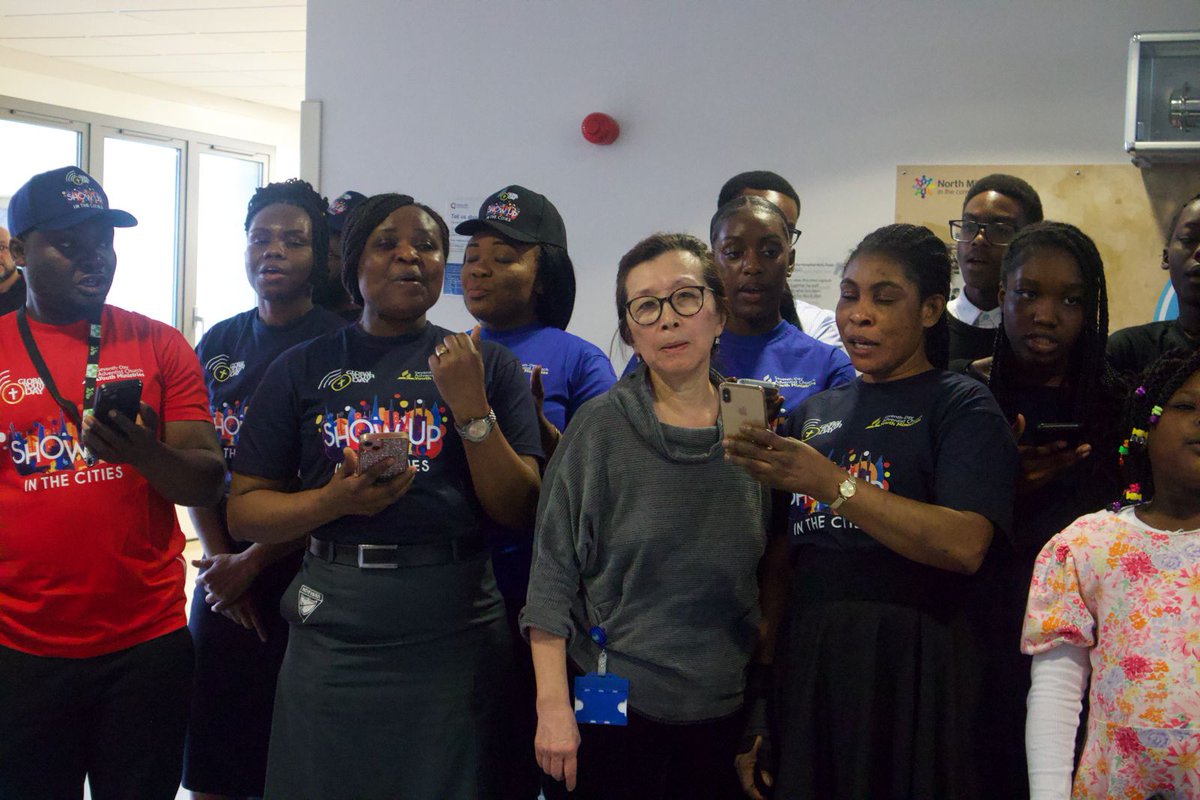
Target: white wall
461,97
44,80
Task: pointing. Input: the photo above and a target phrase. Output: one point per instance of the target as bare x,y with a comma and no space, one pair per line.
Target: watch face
477,428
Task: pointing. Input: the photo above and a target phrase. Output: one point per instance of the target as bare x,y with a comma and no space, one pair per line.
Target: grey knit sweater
644,530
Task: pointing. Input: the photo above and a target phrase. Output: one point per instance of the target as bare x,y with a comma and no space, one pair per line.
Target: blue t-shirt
786,356
235,354
936,437
797,363
322,396
573,370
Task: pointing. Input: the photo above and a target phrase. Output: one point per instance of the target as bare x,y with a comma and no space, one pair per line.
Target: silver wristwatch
478,429
846,490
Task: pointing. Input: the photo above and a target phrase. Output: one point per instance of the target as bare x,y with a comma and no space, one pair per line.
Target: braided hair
301,194
926,263
365,218
1090,380
1156,385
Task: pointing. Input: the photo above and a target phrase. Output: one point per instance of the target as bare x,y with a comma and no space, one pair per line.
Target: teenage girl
1117,596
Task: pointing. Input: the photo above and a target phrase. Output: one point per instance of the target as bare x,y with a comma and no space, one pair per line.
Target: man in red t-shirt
95,656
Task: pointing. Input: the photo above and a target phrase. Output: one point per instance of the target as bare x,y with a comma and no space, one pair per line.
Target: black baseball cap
520,214
340,208
59,199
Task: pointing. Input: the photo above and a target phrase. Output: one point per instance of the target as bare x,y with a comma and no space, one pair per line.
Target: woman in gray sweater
648,542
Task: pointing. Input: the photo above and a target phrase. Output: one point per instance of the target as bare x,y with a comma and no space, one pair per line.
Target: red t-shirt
90,557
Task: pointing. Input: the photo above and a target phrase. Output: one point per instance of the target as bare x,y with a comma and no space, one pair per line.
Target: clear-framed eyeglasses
686,300
998,233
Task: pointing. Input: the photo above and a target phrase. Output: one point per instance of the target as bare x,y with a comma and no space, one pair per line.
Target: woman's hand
549,433
225,577
556,743
783,463
1040,464
747,766
458,374
369,493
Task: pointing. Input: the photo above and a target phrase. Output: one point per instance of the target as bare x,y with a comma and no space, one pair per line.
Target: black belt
393,556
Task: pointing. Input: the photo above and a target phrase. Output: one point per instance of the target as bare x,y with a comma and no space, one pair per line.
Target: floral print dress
1130,593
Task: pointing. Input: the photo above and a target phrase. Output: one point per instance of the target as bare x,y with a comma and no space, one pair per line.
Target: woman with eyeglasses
752,244
646,554
994,209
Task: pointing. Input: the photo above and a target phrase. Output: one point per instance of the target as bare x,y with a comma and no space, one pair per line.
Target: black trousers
651,760
118,719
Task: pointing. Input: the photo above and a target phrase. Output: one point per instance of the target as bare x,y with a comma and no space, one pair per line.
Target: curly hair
301,194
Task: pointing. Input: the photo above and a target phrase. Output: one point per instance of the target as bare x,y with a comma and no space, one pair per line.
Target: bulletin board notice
1123,208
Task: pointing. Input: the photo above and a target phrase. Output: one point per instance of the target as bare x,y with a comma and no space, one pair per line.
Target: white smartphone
742,403
374,447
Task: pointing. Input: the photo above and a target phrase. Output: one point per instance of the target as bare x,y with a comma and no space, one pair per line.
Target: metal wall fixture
1162,109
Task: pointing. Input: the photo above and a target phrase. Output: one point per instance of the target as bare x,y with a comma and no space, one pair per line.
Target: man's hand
119,441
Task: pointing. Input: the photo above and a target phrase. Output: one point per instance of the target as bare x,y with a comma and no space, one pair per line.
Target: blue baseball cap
59,199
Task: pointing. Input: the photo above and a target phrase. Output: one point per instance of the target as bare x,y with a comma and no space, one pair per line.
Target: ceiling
248,49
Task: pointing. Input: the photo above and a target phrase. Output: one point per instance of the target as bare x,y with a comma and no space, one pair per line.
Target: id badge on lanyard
600,697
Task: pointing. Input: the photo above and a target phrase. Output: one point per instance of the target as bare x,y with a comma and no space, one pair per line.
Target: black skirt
877,681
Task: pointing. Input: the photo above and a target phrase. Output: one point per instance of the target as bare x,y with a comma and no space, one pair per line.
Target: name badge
601,699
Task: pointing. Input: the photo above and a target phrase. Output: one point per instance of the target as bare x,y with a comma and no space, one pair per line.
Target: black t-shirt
1131,350
935,437
322,396
14,298
235,355
967,342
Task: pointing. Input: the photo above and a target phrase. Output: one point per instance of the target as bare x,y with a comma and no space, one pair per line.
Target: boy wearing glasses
995,208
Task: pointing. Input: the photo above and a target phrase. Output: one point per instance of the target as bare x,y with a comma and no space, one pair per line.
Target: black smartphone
1046,432
124,396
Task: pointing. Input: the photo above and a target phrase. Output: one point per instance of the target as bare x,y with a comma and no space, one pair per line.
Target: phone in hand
742,403
375,447
123,396
1046,432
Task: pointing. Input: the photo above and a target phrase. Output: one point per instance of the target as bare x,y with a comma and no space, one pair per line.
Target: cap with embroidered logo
340,208
521,214
59,199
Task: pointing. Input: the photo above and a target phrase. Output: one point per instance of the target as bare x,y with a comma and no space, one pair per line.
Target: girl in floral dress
1121,589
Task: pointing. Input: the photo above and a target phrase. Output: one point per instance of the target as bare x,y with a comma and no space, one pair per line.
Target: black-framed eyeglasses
686,300
795,234
998,233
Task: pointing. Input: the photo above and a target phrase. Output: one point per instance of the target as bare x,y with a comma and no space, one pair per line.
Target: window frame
94,128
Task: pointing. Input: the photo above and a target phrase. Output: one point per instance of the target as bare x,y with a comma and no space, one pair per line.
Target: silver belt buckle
362,548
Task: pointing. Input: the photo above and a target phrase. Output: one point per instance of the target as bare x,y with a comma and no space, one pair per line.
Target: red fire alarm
600,128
